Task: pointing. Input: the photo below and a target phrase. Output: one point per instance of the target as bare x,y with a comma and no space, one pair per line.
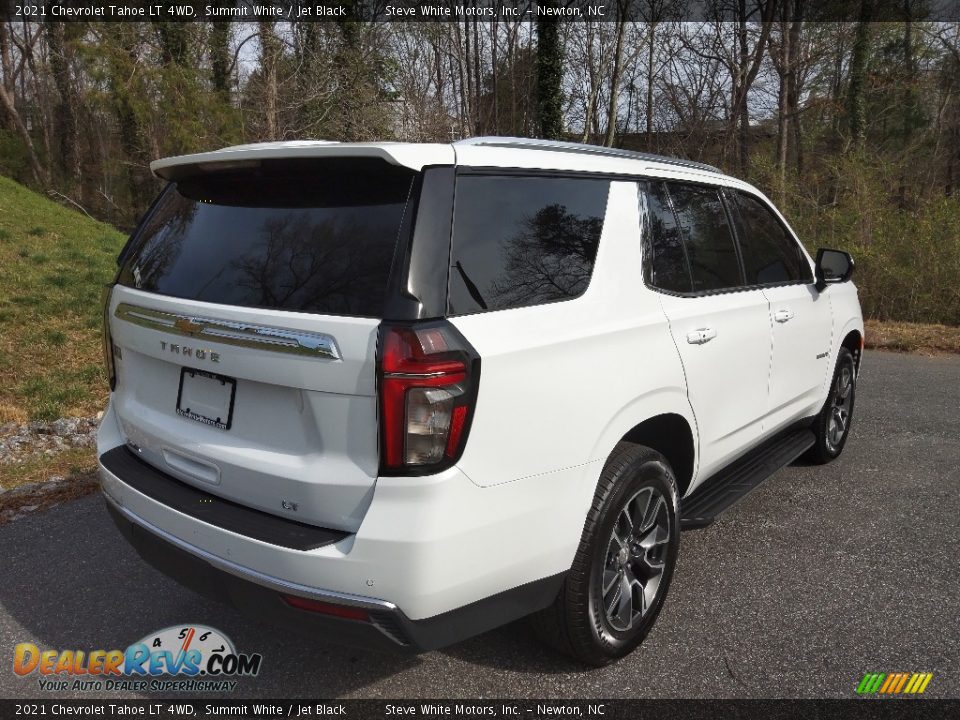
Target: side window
770,254
706,231
666,262
521,241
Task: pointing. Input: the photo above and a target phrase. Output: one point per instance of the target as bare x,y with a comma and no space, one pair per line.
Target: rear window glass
521,241
314,236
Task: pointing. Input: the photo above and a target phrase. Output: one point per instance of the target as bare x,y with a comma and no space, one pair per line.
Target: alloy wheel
635,557
840,408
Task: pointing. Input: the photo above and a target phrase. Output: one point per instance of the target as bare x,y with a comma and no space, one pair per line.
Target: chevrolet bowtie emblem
188,326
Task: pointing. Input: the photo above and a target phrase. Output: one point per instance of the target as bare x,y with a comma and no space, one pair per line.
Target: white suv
405,393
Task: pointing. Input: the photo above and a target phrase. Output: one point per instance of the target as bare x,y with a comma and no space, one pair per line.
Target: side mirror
833,266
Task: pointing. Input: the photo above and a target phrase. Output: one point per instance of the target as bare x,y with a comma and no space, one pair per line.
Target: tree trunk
493,75
909,98
650,50
743,141
220,58
65,120
6,100
856,105
615,78
793,83
468,73
477,80
748,66
549,77
784,70
269,54
9,105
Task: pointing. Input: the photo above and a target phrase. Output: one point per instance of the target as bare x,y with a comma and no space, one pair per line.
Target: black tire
577,623
837,409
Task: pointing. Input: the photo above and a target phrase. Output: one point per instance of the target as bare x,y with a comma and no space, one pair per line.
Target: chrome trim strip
415,376
246,573
260,337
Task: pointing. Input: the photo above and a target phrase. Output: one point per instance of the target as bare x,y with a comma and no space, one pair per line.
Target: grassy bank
53,264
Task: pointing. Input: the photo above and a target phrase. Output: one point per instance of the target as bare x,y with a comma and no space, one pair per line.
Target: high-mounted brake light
427,375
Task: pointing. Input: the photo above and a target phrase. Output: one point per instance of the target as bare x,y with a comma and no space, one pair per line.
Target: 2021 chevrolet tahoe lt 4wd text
403,394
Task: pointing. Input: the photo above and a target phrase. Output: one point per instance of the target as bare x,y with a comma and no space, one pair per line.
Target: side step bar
737,480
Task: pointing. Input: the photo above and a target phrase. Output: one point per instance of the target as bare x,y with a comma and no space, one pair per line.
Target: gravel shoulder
43,464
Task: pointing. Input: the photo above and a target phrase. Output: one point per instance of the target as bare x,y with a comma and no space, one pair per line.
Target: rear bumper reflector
324,608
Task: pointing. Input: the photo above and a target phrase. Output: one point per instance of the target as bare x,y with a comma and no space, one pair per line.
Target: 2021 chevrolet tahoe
405,393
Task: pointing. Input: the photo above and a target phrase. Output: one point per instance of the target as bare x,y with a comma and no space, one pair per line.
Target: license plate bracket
206,397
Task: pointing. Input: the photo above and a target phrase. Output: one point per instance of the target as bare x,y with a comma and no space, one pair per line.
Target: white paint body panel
726,376
802,325
560,385
304,429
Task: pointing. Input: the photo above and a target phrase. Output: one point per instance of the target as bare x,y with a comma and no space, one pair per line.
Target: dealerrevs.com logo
182,658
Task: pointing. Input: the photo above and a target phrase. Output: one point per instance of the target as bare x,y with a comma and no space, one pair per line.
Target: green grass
53,263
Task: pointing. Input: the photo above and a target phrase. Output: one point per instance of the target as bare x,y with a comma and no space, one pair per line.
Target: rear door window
666,261
521,241
770,254
707,235
309,236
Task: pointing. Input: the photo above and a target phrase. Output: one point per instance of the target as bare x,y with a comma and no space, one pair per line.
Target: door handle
781,316
701,336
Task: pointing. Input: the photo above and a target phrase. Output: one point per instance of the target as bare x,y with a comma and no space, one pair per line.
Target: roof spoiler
413,156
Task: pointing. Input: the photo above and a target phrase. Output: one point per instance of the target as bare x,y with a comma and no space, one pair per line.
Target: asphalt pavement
821,575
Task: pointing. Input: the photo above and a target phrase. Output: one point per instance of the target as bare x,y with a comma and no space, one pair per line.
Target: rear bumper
429,563
261,597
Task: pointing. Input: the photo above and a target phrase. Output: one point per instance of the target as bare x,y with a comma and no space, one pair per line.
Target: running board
737,480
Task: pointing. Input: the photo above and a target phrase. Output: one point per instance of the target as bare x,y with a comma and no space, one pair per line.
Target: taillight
427,375
107,339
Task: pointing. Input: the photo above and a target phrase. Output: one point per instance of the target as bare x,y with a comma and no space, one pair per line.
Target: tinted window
312,237
770,255
710,249
523,241
666,260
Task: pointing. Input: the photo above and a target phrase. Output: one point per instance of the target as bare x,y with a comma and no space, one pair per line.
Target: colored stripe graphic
870,683
894,683
901,682
878,679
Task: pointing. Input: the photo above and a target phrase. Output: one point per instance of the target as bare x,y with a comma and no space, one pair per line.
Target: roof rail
572,147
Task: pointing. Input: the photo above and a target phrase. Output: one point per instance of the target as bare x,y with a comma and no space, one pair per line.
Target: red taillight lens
346,612
427,384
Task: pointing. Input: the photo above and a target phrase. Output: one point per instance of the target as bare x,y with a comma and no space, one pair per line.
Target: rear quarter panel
562,383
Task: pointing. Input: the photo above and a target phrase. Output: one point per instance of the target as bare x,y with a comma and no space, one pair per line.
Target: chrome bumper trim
249,574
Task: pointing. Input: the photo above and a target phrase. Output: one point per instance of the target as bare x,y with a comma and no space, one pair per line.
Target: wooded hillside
852,127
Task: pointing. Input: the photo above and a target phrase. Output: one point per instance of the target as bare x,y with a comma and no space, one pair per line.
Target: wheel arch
853,341
671,435
663,421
